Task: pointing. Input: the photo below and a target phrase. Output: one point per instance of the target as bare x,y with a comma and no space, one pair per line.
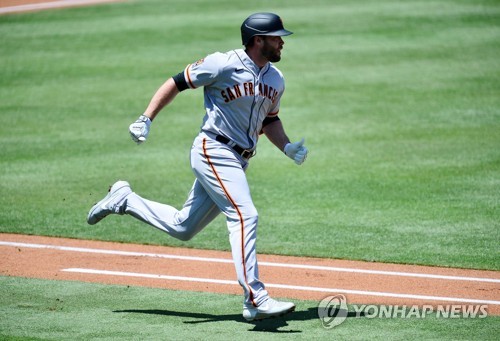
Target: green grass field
398,102
58,310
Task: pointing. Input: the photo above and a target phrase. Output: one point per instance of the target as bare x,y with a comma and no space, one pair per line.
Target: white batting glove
139,130
296,151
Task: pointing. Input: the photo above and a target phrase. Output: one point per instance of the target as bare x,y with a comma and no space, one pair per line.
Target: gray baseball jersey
238,94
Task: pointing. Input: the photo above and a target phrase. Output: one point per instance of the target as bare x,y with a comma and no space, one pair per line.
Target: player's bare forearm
276,134
163,96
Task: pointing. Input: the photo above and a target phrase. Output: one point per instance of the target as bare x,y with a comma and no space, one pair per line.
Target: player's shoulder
226,60
274,68
218,60
274,72
221,56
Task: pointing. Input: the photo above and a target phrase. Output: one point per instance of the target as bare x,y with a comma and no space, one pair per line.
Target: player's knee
185,236
183,232
250,215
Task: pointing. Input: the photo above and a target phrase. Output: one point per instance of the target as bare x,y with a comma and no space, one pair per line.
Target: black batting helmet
262,24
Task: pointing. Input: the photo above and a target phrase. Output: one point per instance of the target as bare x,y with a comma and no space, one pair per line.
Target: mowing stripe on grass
282,286
224,260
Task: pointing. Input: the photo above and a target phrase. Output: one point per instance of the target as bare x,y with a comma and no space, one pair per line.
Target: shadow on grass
268,325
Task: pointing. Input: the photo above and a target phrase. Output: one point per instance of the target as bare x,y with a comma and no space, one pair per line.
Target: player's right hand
139,130
296,151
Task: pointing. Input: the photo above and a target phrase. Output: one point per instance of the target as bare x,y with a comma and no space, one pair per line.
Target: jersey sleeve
275,109
203,72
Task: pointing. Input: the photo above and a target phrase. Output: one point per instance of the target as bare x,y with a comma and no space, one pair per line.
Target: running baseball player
242,90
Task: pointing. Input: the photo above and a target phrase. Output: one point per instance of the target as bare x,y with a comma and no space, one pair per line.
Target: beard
272,54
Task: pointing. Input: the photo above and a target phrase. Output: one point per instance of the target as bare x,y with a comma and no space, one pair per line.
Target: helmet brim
280,33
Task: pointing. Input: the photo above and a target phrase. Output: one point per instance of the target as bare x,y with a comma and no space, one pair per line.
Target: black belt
245,153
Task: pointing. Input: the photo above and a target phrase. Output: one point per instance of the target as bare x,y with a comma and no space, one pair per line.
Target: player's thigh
222,176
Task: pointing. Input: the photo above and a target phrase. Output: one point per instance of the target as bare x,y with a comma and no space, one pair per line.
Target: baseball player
242,93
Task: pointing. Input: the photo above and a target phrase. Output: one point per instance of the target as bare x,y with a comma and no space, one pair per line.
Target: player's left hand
297,151
139,130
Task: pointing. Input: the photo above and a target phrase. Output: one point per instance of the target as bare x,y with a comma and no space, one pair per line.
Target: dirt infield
17,6
213,271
